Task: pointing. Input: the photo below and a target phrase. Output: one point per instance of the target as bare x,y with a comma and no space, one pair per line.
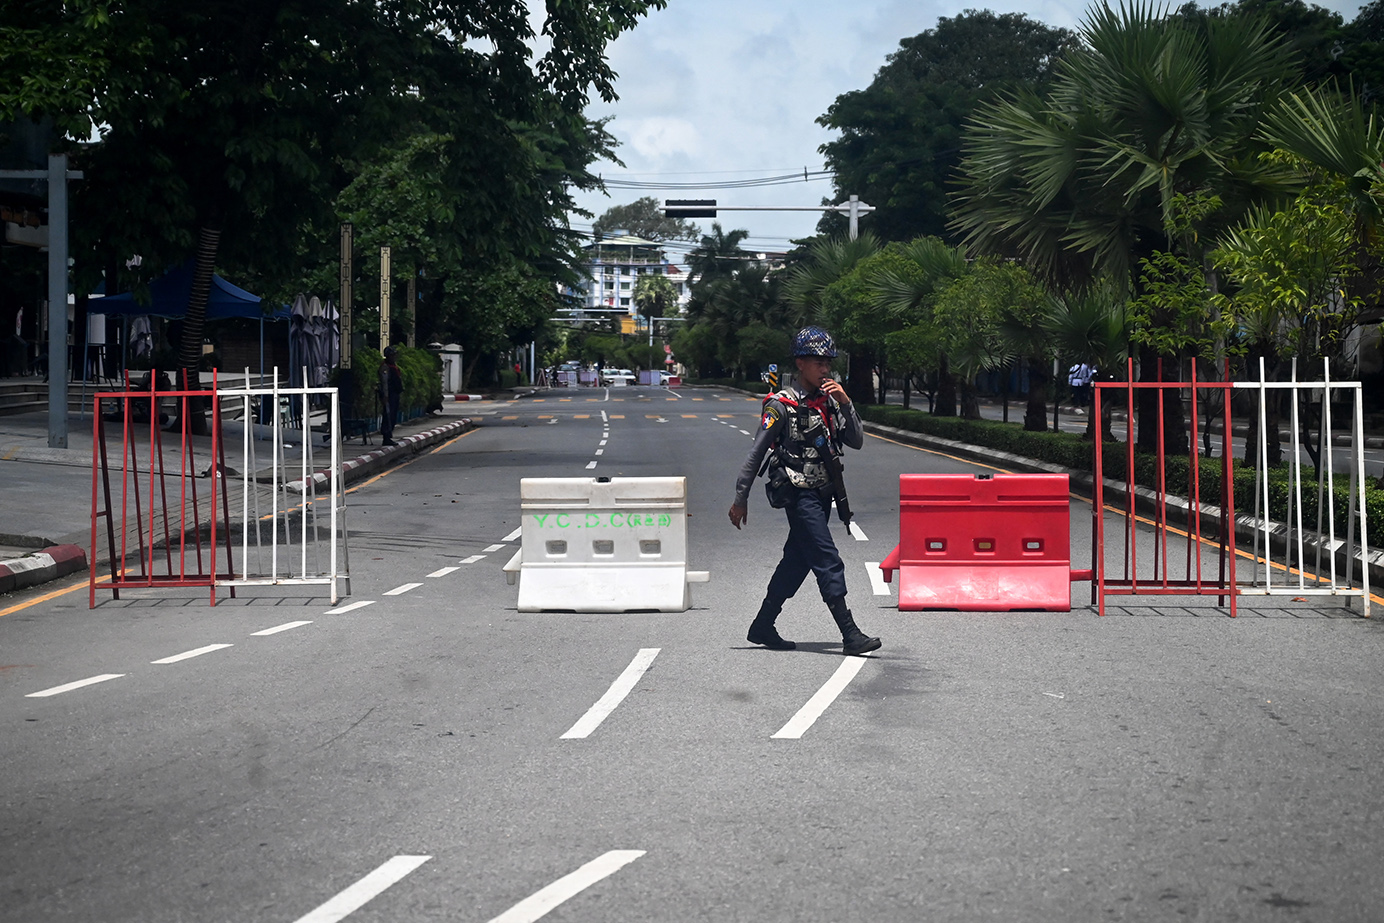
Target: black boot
762,630
853,640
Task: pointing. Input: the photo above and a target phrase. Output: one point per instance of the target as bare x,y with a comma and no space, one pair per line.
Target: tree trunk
970,401
1036,414
945,403
859,385
907,381
194,323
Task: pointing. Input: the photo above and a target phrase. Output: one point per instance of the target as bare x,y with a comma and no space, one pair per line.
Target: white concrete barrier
603,545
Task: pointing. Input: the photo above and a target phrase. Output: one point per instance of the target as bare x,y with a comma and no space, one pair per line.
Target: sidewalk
45,493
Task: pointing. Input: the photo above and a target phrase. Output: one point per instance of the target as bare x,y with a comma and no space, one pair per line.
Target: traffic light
689,208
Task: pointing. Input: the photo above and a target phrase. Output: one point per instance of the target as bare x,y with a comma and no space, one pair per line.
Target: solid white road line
351,608
799,723
857,532
278,628
473,559
494,548
876,578
363,891
401,590
590,465
614,695
188,655
515,534
568,886
68,687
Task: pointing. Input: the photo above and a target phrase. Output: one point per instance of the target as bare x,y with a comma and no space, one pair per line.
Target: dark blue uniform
800,429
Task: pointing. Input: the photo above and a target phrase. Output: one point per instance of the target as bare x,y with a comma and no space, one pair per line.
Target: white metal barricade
1308,565
282,539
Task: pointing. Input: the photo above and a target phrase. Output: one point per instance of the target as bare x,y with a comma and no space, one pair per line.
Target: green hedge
420,369
756,387
1072,451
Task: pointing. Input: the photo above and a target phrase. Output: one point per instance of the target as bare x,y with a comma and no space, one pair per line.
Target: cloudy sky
720,90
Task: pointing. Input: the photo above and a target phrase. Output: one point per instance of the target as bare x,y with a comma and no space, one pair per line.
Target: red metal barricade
163,546
984,543
1147,571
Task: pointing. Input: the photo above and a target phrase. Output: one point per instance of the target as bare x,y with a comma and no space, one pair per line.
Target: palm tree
718,256
828,260
1088,325
909,300
1082,182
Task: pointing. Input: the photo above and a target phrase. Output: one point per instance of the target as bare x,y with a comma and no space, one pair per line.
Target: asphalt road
417,752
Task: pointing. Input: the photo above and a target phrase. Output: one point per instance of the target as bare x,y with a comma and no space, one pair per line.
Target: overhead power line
782,179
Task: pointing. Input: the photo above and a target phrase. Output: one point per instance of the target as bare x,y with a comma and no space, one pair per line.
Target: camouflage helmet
813,341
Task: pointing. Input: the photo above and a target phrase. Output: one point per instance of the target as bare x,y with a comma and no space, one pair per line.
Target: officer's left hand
738,514
832,388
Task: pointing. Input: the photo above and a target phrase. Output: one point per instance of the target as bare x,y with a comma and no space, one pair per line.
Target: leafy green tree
900,138
644,218
1293,267
234,124
906,289
1089,325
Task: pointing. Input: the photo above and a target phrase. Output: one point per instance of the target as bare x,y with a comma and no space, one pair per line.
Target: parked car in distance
617,377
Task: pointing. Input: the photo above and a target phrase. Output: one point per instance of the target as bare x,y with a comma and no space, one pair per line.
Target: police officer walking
803,429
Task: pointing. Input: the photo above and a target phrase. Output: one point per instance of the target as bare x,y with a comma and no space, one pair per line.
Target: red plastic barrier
984,543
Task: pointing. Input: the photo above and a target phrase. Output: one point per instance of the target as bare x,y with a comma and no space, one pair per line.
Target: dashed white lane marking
799,723
876,578
614,695
515,534
600,451
352,607
443,571
568,886
473,559
745,431
401,590
364,891
188,655
278,628
68,687
590,465
603,442
604,418
491,549
859,533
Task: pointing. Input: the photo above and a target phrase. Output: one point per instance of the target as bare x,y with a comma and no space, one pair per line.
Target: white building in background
614,265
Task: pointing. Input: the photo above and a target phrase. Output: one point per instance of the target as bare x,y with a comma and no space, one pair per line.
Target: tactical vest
809,435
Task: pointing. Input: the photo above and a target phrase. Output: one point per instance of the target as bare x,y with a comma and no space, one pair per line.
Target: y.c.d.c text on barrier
619,520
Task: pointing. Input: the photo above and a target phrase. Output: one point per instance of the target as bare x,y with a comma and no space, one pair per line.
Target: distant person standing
391,389
1079,377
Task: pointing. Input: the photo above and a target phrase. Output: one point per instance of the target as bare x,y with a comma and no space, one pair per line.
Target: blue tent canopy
171,291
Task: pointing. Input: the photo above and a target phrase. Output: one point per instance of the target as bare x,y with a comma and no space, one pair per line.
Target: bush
757,387
420,369
1073,451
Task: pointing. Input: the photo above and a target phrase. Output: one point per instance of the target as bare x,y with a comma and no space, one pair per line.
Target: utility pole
344,308
384,298
57,176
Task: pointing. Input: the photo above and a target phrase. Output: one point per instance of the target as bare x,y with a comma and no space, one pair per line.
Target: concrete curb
363,466
1146,501
49,564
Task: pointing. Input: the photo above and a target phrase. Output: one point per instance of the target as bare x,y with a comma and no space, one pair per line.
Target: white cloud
657,138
